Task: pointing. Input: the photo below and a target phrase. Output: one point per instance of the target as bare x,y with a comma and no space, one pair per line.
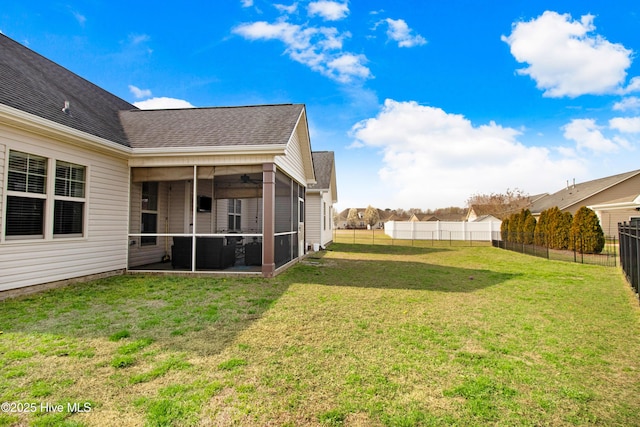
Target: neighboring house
90,185
500,211
321,197
395,217
626,209
342,222
422,217
451,216
486,218
476,211
613,198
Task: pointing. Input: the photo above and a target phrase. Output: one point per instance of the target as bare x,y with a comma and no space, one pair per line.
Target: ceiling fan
246,179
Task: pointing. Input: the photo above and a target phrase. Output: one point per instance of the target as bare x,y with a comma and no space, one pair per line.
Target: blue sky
424,103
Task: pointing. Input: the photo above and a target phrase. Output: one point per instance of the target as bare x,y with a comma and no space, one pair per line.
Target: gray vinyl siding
609,220
102,249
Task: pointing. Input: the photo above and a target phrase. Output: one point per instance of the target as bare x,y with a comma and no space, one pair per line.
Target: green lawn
361,335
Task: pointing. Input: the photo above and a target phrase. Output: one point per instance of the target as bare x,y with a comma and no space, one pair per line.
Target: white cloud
246,3
79,17
138,38
625,124
434,158
565,58
318,48
349,65
633,86
328,10
588,136
287,9
630,103
399,31
139,93
162,103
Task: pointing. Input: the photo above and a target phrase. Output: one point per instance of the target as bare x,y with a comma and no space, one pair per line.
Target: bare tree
500,205
352,218
371,216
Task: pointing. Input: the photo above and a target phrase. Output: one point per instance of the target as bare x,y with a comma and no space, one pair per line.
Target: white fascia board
50,129
617,206
271,150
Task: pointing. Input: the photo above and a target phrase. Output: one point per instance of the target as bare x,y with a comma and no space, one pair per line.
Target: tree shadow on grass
193,314
408,275
203,315
405,249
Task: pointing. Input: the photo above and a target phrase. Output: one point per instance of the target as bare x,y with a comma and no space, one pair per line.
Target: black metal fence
608,257
630,252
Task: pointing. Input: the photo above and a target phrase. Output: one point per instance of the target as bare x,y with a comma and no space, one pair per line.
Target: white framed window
69,200
41,204
324,215
26,195
235,215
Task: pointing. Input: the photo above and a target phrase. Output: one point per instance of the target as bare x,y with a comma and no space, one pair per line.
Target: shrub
559,234
542,229
586,233
514,226
528,226
504,229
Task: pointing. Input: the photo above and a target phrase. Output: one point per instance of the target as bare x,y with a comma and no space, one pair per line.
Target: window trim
234,209
67,198
49,198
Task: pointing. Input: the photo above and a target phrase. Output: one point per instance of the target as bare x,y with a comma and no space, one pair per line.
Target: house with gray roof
614,198
90,185
321,197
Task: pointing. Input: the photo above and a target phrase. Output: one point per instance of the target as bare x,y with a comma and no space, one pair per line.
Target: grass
360,335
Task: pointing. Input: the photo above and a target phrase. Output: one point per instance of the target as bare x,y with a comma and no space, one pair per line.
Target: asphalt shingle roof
36,85
323,164
211,127
573,194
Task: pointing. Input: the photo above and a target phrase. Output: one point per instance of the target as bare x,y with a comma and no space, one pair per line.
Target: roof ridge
216,107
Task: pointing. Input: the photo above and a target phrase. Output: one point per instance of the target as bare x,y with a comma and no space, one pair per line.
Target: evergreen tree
559,228
586,233
504,230
514,224
542,229
528,226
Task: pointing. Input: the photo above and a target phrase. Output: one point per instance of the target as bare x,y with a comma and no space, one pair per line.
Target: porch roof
261,125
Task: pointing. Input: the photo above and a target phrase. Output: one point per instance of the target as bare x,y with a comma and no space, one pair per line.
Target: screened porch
231,219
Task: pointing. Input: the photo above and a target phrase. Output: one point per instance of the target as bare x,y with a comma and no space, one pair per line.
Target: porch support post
194,201
268,218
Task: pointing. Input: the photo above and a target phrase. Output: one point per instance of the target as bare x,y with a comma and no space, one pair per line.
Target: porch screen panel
286,219
149,223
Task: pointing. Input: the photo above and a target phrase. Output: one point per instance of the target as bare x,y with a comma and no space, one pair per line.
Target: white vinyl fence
443,230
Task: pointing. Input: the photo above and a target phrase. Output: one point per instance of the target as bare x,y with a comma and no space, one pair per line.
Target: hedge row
556,229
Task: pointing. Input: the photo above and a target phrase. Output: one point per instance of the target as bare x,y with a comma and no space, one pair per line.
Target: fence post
637,278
